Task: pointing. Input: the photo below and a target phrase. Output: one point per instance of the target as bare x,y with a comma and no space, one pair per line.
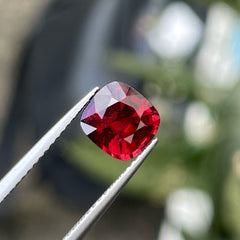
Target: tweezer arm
106,199
16,174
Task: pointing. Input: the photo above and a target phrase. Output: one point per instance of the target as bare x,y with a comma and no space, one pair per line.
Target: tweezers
26,163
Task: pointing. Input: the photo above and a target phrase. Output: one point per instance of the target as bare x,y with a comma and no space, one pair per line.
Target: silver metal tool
25,164
104,202
16,174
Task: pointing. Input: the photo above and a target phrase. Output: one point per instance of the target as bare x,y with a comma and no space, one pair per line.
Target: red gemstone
120,120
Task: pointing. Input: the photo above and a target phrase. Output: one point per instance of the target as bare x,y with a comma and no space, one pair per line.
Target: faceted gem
120,120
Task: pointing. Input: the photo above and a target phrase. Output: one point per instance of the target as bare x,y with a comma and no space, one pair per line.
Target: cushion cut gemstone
120,120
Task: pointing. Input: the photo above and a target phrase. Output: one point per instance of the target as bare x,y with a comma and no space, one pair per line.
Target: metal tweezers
25,164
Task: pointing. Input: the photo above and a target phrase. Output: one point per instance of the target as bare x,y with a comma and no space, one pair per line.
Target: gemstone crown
120,120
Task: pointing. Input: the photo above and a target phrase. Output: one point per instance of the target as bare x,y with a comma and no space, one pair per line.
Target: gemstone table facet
120,120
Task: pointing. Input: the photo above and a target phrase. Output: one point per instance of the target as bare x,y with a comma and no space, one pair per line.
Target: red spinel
120,120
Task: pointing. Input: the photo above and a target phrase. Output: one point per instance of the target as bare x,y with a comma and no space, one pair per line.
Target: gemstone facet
120,120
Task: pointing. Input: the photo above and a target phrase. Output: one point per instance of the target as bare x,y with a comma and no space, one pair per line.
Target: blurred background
183,55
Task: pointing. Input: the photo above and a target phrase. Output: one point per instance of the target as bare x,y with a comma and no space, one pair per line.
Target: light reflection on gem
87,128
